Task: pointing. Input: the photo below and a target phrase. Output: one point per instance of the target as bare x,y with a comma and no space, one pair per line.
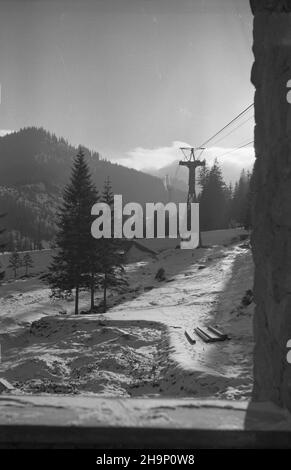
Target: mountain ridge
35,166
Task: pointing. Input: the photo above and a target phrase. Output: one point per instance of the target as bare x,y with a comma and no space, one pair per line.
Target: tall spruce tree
213,199
111,260
203,177
93,278
241,201
70,267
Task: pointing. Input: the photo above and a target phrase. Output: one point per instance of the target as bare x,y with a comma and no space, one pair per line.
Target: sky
132,79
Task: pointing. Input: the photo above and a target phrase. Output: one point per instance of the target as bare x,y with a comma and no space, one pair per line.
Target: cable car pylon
192,163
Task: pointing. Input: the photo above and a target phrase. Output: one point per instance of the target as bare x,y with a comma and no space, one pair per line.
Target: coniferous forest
223,206
81,262
36,165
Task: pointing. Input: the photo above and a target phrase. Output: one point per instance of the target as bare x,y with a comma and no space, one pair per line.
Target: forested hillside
35,166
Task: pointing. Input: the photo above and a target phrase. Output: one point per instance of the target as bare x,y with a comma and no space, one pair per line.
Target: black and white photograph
145,227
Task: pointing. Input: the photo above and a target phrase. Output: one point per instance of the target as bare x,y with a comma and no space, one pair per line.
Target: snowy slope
139,347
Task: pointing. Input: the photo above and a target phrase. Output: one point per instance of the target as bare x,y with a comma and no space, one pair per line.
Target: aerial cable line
233,130
227,125
234,150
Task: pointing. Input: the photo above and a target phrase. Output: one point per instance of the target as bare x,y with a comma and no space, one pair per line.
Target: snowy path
211,295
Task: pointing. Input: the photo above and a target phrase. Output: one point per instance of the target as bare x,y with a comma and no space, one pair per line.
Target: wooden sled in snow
189,337
217,332
211,335
5,386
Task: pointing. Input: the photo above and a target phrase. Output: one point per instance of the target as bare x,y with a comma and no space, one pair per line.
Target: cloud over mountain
160,161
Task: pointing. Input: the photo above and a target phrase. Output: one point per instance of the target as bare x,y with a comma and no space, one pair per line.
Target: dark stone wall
270,5
272,200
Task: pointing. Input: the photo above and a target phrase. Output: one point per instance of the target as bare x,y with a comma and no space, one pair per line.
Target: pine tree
213,199
228,201
92,280
70,267
27,262
14,262
203,177
111,260
240,206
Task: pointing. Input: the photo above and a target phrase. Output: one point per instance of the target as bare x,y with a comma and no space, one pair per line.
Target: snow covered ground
139,347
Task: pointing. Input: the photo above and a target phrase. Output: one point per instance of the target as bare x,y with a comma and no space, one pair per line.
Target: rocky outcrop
270,5
272,200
